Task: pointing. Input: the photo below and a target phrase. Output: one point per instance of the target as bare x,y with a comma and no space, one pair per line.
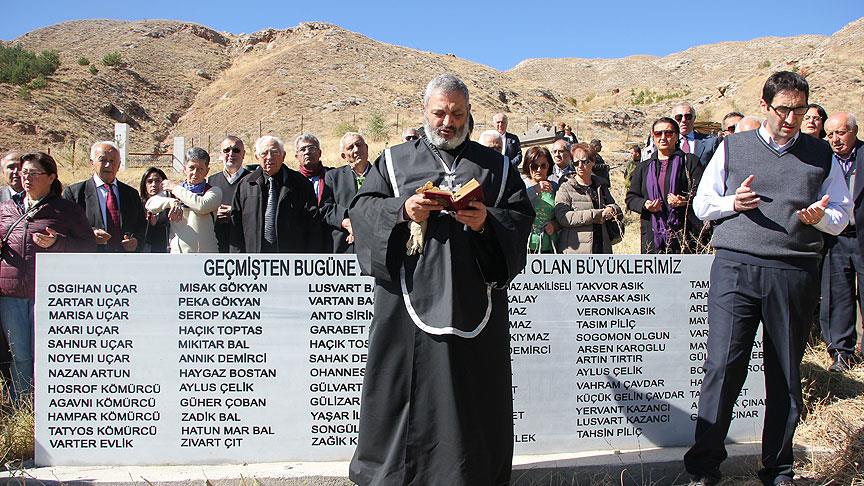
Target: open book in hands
454,201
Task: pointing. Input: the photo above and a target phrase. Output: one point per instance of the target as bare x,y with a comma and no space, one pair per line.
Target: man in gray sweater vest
772,193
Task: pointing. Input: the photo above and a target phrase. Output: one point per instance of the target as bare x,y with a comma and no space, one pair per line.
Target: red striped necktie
113,217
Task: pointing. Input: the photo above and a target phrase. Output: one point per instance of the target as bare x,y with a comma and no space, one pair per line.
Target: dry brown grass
17,439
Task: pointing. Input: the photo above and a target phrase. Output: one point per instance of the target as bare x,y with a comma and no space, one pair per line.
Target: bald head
105,160
842,131
491,139
747,123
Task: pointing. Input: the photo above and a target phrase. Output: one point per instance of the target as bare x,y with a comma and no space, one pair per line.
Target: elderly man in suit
11,165
512,147
343,184
275,209
691,141
843,268
231,153
114,209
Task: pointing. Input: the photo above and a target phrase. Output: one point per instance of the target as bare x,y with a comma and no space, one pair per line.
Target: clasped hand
418,207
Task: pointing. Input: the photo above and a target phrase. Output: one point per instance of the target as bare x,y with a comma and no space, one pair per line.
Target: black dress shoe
841,363
785,482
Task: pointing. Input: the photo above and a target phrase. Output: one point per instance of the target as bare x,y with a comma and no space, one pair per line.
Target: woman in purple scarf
660,191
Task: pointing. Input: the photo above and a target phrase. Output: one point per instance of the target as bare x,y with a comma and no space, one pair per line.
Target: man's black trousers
841,271
742,295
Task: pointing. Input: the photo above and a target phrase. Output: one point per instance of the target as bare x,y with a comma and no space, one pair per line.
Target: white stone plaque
177,359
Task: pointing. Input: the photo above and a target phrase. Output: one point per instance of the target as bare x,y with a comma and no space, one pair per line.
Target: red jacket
18,255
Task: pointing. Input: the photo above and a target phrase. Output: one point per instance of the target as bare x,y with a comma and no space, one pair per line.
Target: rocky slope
179,78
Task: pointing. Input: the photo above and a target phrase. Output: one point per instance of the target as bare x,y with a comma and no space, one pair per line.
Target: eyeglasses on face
537,167
231,149
783,111
31,173
578,162
307,148
663,133
683,116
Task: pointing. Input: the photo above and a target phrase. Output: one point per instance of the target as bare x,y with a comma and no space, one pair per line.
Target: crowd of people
770,190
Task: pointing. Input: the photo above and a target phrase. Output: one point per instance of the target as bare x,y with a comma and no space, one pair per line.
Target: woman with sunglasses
41,222
536,167
583,205
660,192
814,121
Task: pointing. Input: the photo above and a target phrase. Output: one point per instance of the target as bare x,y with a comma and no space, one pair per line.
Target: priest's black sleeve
380,231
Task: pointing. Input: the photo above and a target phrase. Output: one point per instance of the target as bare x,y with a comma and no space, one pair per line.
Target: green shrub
113,58
83,61
39,82
19,66
377,127
572,101
343,127
765,64
93,69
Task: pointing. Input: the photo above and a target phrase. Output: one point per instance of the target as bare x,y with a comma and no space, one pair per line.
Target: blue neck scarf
195,188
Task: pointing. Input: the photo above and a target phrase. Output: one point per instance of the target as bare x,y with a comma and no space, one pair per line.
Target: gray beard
442,142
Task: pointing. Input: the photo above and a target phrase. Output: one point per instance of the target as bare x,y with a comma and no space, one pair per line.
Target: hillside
180,78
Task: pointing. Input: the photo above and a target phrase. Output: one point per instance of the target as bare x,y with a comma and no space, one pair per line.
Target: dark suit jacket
297,216
340,189
704,147
687,182
513,149
133,220
223,228
858,195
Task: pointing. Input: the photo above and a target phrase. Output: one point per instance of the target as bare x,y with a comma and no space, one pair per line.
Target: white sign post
179,158
121,138
239,358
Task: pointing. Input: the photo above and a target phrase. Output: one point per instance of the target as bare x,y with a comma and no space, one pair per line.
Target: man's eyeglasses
783,111
578,162
663,133
683,116
235,150
307,148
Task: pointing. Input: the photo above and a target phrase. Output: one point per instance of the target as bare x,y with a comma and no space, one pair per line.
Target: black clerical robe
437,401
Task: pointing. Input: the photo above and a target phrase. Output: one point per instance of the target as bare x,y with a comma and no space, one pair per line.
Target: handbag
614,226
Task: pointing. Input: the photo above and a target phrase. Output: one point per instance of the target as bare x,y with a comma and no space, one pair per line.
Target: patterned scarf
667,220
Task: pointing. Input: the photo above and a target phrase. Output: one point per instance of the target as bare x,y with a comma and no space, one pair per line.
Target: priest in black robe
437,403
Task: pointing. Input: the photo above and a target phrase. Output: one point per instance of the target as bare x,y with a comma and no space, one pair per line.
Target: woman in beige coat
582,206
195,231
